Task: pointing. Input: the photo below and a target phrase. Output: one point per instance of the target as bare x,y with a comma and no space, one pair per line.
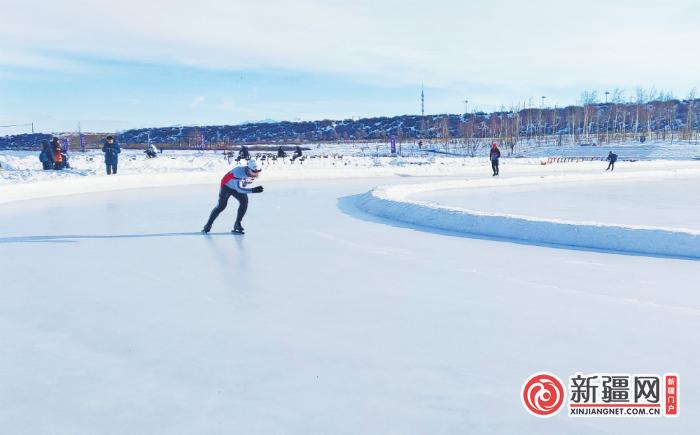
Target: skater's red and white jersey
237,179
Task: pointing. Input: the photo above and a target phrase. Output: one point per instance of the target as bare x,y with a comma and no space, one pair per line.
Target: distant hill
281,132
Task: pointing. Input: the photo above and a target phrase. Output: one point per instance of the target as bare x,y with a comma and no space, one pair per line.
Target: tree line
648,116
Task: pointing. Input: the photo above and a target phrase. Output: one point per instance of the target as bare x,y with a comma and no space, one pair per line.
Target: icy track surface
118,318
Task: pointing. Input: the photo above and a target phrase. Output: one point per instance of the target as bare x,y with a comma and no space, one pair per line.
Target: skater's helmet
253,166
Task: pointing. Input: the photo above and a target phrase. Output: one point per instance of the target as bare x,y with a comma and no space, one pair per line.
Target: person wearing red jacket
57,155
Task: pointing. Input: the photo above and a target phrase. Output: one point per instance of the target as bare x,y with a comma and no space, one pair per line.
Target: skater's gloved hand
257,189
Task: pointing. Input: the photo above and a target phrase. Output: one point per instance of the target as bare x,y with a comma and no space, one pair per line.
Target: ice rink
118,317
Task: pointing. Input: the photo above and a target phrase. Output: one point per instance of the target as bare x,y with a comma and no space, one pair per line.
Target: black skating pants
111,168
224,195
494,166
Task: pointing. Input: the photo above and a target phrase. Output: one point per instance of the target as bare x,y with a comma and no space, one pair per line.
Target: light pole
466,108
543,97
606,96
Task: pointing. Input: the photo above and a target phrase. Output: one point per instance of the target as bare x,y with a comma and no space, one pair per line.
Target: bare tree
689,116
588,99
641,98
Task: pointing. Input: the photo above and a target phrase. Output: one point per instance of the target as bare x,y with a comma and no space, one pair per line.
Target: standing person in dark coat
46,156
494,155
111,150
244,153
612,158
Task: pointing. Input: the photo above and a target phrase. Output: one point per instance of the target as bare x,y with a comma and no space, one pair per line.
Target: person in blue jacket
46,156
111,150
612,158
235,183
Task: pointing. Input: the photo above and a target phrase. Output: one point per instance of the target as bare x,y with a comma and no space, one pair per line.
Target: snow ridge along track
391,202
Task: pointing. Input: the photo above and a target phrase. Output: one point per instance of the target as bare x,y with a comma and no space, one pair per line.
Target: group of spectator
244,153
54,156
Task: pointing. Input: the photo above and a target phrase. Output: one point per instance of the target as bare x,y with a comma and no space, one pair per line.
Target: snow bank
392,202
21,176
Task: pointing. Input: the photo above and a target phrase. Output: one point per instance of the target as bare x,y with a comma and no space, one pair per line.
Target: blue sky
157,63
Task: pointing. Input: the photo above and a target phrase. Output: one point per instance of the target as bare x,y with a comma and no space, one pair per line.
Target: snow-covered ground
21,167
671,202
534,222
117,316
